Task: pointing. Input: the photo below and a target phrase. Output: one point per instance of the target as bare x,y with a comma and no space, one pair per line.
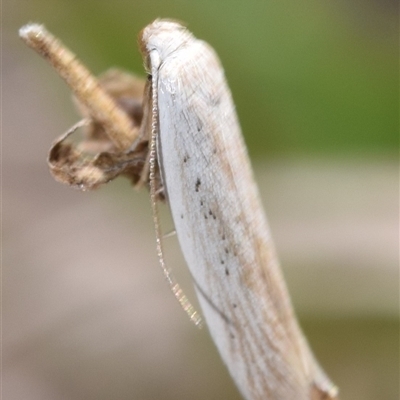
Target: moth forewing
221,227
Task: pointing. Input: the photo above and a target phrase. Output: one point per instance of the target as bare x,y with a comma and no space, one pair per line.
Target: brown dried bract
95,160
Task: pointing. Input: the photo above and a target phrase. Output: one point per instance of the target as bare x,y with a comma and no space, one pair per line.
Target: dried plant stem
84,85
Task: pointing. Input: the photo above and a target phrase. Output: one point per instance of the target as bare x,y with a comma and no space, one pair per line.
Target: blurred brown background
86,311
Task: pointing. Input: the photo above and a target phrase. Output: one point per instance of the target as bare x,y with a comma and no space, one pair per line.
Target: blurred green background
317,91
307,76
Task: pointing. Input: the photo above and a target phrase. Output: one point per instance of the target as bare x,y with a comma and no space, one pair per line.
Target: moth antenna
176,289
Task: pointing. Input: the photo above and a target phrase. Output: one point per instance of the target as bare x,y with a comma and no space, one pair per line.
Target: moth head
161,38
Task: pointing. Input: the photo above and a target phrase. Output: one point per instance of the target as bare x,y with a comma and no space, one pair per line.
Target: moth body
219,219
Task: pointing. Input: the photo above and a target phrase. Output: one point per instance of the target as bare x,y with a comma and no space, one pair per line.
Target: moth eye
149,77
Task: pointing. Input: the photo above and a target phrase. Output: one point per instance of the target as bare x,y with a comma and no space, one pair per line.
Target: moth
189,149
